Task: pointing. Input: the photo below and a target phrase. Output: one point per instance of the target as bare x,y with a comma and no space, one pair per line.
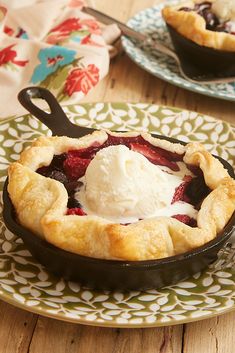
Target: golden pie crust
193,26
41,206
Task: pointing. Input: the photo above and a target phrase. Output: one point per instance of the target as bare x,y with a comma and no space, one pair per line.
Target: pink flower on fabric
91,25
64,30
56,38
89,41
75,28
7,55
68,26
8,30
82,80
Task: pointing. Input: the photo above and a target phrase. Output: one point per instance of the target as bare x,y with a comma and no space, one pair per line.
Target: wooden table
22,332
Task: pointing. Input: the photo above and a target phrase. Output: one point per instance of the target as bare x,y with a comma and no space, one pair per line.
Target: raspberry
180,191
186,219
76,211
75,167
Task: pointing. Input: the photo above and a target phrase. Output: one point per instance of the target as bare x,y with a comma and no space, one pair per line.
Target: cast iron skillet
200,61
98,273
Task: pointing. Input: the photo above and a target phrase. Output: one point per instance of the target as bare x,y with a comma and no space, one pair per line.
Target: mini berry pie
207,23
124,196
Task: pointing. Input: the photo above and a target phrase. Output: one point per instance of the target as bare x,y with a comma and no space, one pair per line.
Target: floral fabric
51,44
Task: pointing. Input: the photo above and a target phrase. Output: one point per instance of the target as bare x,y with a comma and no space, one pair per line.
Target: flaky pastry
41,205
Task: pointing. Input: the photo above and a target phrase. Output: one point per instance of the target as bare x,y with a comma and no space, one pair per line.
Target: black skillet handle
56,120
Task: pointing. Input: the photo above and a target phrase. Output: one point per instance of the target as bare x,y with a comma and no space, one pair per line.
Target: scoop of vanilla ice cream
224,9
122,185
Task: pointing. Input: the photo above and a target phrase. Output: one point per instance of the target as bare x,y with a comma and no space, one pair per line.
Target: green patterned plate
26,284
150,21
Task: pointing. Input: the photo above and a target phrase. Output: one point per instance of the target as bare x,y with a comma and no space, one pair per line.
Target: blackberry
197,190
58,175
71,186
58,160
73,203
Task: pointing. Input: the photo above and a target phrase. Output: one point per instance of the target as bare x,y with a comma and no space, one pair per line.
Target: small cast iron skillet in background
98,273
200,62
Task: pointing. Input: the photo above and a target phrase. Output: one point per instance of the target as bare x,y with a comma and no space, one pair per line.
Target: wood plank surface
16,329
23,332
210,336
84,339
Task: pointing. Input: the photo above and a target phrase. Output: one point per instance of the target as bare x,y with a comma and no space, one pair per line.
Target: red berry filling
212,22
75,167
76,211
69,167
153,156
180,191
87,153
186,219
